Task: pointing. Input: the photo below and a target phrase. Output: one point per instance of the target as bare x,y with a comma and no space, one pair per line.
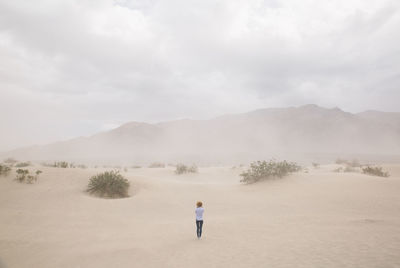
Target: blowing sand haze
197,134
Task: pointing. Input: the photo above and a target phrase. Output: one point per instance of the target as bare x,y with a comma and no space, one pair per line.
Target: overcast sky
72,68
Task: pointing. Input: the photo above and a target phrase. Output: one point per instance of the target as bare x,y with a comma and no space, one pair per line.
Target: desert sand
315,219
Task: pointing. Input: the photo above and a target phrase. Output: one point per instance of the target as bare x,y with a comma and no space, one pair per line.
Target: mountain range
291,133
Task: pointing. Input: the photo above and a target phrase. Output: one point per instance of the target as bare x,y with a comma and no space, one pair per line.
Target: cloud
78,66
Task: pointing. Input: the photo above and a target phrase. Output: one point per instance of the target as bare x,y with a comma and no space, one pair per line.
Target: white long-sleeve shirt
199,213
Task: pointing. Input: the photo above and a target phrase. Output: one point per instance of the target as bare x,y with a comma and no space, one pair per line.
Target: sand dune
316,219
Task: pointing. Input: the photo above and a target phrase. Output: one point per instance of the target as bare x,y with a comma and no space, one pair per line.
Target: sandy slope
316,219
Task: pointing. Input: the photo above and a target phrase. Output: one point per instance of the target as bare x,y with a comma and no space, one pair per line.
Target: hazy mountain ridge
236,137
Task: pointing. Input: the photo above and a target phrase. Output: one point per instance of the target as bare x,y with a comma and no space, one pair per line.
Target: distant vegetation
345,169
263,170
182,169
108,184
353,163
24,176
10,161
157,165
355,166
4,170
22,164
375,171
348,166
61,164
81,166
64,164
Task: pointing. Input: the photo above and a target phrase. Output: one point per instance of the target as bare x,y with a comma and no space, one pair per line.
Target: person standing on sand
199,218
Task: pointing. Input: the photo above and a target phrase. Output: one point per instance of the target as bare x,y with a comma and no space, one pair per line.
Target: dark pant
199,225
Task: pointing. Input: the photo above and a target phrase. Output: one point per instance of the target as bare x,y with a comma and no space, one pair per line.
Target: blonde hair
199,204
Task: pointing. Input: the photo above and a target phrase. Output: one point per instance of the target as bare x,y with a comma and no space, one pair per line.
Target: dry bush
61,164
24,176
263,170
375,171
182,169
157,165
108,184
4,170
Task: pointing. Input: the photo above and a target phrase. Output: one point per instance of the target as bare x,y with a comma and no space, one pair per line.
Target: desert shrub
62,164
108,184
81,166
375,171
21,174
181,169
4,170
24,176
157,165
315,165
192,169
22,164
262,170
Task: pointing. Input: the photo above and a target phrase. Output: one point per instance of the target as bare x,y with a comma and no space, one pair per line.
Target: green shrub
157,165
108,184
262,170
375,171
23,164
181,169
4,170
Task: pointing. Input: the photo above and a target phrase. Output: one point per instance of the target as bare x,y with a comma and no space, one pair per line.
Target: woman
199,218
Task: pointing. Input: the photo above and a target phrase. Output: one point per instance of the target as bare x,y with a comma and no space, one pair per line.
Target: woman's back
199,213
